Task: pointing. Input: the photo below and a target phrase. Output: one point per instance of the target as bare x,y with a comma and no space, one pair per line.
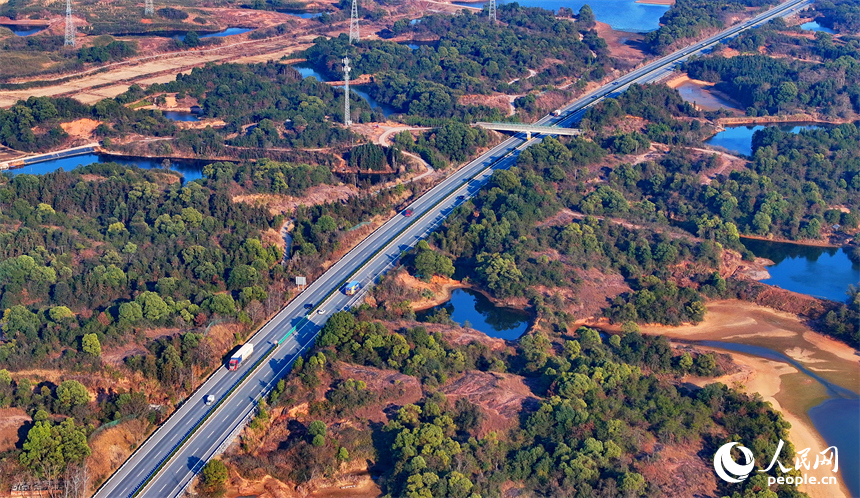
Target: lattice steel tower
353,23
70,25
492,8
346,69
148,8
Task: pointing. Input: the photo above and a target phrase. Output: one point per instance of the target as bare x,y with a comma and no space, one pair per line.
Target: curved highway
165,464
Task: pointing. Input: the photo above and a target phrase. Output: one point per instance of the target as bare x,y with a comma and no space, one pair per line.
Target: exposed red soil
503,397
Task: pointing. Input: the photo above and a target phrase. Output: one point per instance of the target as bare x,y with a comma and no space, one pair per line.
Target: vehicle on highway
309,306
408,212
241,355
461,197
320,311
352,288
208,399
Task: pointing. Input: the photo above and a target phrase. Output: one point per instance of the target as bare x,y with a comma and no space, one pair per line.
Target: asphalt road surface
177,451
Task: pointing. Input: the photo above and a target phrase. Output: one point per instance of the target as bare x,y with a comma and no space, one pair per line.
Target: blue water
21,31
304,15
621,15
817,271
814,26
307,71
837,419
227,32
703,97
473,307
180,115
189,171
738,139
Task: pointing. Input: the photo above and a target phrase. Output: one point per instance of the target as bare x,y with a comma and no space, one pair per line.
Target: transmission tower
353,23
70,25
148,8
346,69
492,8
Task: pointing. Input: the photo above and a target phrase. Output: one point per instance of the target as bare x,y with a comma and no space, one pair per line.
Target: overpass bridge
528,129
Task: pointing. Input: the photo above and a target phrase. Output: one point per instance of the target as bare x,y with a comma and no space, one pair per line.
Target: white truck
240,355
556,112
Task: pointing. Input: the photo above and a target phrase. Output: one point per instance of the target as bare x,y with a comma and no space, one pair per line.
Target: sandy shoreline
784,386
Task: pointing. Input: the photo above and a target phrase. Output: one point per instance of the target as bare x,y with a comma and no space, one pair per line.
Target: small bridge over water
529,129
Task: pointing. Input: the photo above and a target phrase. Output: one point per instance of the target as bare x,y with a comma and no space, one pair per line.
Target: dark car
461,197
309,306
408,212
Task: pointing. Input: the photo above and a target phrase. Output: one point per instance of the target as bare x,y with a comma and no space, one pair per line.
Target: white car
320,311
208,399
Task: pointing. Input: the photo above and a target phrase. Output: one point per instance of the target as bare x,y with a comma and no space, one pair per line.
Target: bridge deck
527,128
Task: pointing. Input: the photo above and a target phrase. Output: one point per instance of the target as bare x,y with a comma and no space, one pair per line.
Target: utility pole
148,9
353,23
492,8
70,25
346,121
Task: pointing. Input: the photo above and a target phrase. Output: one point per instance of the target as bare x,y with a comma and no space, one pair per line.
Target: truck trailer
241,355
351,288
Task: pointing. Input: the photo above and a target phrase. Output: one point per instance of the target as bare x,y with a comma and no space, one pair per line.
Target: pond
307,70
814,26
20,30
824,272
190,170
303,15
227,32
738,139
180,115
473,308
835,419
621,15
704,97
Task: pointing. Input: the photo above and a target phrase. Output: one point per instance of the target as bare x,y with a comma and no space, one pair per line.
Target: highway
165,464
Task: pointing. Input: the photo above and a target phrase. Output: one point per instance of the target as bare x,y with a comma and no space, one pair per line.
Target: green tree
72,393
130,313
49,449
586,17
60,313
214,475
90,344
154,308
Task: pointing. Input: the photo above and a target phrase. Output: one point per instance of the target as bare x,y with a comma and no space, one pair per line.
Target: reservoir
191,170
20,30
226,32
180,115
621,15
814,26
835,419
307,70
473,309
824,272
738,139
